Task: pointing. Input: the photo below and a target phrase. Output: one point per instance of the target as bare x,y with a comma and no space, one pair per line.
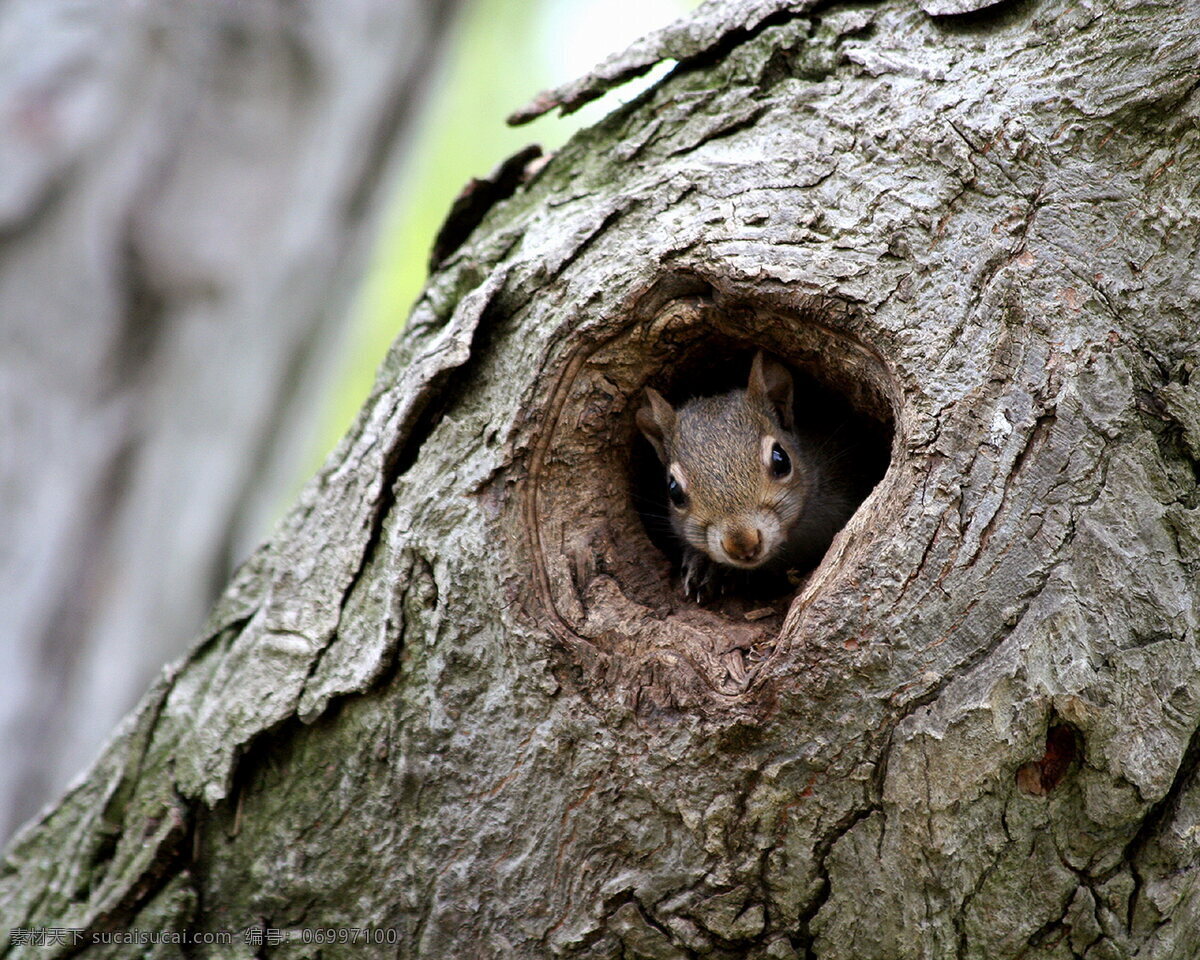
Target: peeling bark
459,697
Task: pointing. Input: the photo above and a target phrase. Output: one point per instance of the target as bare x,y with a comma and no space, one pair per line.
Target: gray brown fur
720,448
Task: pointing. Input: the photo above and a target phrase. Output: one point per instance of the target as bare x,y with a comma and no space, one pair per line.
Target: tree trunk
184,196
459,701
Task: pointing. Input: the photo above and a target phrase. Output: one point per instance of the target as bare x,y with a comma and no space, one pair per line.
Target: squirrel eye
781,463
675,492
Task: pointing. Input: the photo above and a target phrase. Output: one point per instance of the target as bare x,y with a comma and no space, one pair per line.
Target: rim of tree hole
603,575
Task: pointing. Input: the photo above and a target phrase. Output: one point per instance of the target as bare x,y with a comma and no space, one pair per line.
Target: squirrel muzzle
743,544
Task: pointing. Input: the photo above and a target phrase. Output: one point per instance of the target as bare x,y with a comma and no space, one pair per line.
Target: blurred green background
500,54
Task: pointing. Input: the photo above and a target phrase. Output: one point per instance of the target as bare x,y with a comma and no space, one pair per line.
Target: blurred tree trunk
185,192
458,700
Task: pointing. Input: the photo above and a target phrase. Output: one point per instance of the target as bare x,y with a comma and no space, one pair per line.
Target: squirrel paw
700,576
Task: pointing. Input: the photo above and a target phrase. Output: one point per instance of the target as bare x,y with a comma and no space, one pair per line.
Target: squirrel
746,489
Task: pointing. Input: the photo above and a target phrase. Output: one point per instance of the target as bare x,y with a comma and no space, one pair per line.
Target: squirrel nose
741,544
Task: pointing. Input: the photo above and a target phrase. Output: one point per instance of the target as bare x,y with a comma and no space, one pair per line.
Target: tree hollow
603,564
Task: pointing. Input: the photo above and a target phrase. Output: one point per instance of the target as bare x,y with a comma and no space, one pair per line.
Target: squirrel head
736,476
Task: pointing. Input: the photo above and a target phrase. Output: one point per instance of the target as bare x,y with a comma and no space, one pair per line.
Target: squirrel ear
656,420
771,383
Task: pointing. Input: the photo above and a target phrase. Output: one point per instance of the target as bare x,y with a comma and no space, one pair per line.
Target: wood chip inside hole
760,614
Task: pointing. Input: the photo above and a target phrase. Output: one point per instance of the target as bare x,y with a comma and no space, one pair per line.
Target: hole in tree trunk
601,569
1063,747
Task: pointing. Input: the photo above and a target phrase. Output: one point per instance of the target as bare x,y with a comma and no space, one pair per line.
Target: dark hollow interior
860,440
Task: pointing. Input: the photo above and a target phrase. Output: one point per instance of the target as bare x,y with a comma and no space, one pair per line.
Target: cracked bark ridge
711,25
462,670
945,8
477,198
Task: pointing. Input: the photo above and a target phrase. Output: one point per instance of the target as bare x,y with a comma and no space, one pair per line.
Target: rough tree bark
184,193
459,697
